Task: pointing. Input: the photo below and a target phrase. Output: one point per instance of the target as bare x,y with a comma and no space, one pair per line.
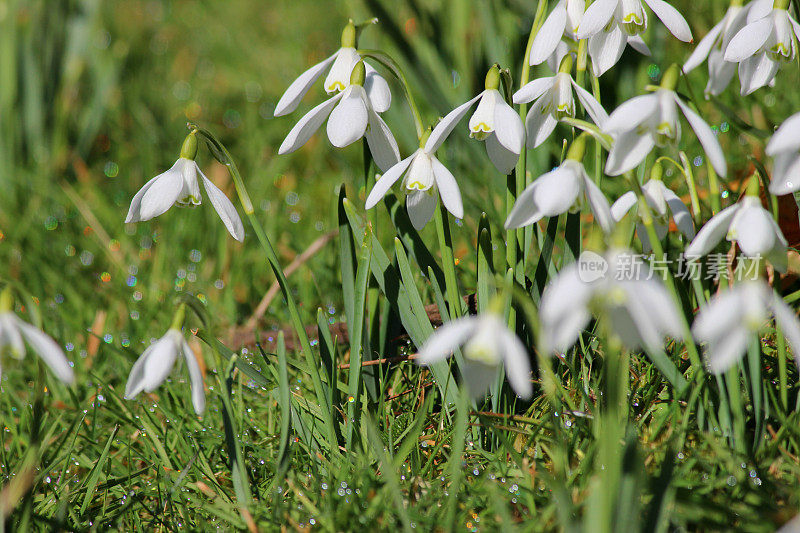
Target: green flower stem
523,180
394,68
713,189
782,375
648,222
448,260
223,156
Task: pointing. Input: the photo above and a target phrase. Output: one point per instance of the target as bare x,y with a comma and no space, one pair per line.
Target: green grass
94,97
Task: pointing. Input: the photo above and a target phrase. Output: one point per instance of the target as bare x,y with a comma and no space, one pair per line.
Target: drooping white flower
557,191
618,287
494,121
643,122
732,317
351,116
763,45
662,202
156,362
425,178
14,333
712,47
750,226
784,147
179,185
554,101
611,24
487,343
341,66
562,22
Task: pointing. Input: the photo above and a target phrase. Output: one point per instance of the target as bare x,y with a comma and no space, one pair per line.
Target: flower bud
358,74
189,147
670,79
493,78
6,300
349,35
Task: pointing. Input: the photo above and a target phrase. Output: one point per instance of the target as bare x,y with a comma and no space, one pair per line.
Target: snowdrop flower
784,147
764,44
156,362
487,343
351,115
178,185
554,101
562,22
618,287
712,48
662,202
494,121
15,332
341,66
645,121
425,177
611,24
730,318
557,191
750,226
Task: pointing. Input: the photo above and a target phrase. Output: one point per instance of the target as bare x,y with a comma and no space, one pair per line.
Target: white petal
758,9
385,182
725,351
632,113
638,44
299,87
515,359
712,233
539,124
599,205
703,48
707,139
478,377
508,127
377,89
657,302
590,104
628,151
136,378
757,72
605,49
482,120
623,204
8,323
308,125
721,315
446,125
161,359
680,213
749,40
720,73
195,378
349,119
50,352
420,206
785,138
339,76
382,144
596,17
442,342
533,90
754,231
550,195
563,309
786,174
448,188
672,19
136,203
504,160
787,320
159,196
224,208
546,41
